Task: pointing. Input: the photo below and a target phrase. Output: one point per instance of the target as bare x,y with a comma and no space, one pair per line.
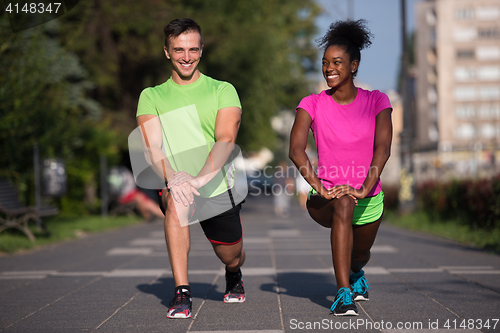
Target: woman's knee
345,203
363,256
343,210
320,212
320,219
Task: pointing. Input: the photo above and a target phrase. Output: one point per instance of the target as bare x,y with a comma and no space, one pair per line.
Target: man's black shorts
224,228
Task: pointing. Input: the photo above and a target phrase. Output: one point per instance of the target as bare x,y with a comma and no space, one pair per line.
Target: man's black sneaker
235,293
344,305
180,306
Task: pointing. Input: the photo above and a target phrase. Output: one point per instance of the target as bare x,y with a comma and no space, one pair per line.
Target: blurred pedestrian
353,132
282,190
122,183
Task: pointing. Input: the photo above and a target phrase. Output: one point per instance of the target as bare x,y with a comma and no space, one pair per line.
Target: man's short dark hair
180,26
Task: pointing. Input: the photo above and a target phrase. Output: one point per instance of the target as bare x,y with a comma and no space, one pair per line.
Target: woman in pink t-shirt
353,132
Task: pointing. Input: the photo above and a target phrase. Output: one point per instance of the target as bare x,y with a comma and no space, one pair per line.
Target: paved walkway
120,281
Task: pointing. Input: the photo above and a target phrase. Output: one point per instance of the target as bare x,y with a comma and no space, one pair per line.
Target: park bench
13,214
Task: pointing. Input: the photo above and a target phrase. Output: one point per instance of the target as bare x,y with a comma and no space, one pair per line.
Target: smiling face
337,66
184,51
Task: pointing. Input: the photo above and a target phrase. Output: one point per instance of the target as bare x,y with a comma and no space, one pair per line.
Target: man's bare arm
152,139
227,125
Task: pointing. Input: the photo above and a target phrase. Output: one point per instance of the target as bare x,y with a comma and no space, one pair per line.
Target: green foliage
72,84
391,196
263,47
43,99
488,239
475,203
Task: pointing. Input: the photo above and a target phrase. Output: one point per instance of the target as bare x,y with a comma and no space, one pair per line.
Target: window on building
489,111
433,112
465,111
465,131
488,73
465,54
464,14
489,33
432,95
433,36
488,93
432,76
433,133
430,16
465,93
464,34
488,53
431,56
487,131
488,13
464,74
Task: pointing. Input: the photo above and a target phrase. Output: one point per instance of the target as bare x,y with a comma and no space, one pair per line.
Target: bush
391,193
475,203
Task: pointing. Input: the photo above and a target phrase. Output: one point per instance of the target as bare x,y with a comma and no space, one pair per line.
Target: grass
61,229
451,229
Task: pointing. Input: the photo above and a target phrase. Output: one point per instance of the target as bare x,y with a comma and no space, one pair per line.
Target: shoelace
234,285
360,286
344,295
180,298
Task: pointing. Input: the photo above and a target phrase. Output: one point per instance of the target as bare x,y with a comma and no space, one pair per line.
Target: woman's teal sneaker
343,304
359,286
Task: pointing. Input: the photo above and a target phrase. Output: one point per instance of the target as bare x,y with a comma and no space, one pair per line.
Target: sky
380,62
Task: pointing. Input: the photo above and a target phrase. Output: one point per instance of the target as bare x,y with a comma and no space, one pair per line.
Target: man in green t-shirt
189,126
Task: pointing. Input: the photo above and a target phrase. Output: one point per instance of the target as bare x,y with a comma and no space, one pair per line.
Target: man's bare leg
177,238
233,256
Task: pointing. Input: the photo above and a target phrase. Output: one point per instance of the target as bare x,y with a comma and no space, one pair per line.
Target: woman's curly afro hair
353,35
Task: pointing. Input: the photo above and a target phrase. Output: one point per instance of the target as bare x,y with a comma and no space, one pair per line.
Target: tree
263,47
43,99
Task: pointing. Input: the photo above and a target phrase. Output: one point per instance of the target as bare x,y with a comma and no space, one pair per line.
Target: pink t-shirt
344,136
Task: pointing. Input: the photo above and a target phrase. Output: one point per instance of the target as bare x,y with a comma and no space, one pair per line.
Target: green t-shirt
187,114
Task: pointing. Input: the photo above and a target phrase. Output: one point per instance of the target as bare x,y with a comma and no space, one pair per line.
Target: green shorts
367,210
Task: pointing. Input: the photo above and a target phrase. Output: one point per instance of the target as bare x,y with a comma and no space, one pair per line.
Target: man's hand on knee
183,193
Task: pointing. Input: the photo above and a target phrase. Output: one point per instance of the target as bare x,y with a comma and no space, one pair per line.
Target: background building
458,88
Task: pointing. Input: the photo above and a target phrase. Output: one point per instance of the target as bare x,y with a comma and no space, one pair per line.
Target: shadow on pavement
313,286
164,290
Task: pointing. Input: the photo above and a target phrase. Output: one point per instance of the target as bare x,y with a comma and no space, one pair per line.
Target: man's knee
234,262
175,213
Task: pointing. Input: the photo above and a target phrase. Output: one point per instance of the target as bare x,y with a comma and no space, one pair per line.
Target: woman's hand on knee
339,191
